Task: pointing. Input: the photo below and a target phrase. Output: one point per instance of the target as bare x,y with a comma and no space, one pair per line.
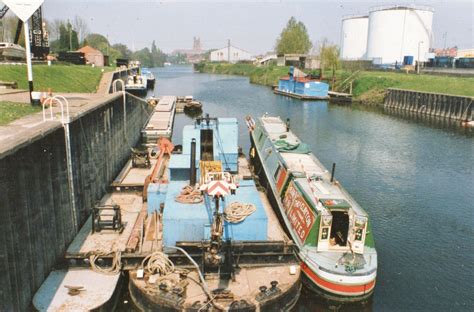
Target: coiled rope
237,212
189,195
158,263
116,262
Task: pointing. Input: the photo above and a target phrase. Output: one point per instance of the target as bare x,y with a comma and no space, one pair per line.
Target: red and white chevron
218,188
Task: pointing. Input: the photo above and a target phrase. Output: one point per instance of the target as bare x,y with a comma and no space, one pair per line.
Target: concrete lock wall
36,215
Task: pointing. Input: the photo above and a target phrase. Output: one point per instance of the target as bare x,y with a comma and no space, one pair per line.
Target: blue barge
302,88
218,232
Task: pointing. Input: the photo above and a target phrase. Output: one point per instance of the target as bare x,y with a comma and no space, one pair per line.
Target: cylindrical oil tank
398,31
354,37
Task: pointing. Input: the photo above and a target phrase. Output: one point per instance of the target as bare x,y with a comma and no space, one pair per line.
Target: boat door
207,145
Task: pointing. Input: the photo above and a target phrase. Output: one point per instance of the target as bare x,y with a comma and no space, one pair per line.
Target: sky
251,25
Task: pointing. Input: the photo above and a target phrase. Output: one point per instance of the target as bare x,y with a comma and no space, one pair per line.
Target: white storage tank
354,37
398,31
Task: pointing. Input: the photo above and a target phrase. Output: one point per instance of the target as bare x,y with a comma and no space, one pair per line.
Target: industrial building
392,34
230,54
354,37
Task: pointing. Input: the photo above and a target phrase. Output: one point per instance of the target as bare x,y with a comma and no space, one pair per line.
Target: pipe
333,171
192,167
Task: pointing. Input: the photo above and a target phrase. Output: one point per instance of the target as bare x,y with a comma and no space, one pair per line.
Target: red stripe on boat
281,179
337,287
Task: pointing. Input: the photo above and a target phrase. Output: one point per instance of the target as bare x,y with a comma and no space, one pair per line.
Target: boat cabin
302,85
320,212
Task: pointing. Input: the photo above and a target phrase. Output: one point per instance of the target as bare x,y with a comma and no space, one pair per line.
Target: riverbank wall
42,206
431,104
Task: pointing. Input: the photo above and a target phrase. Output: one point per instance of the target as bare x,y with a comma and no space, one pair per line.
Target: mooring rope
189,195
158,263
116,262
237,212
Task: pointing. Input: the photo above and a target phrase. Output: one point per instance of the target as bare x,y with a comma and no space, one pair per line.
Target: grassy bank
60,78
368,87
266,76
10,111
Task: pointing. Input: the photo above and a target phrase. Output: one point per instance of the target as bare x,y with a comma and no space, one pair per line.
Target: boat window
260,136
277,171
207,146
340,228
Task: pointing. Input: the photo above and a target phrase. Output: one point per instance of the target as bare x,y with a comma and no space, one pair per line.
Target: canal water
414,177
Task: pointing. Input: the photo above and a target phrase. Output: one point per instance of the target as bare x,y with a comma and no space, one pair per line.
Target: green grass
10,111
368,87
60,78
427,83
265,75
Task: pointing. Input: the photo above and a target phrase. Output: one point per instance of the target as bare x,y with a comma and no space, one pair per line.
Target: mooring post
333,171
192,167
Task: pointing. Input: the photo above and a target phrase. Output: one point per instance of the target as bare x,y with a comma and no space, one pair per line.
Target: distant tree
9,28
122,49
329,56
63,38
53,29
294,38
144,56
177,58
97,41
158,57
81,27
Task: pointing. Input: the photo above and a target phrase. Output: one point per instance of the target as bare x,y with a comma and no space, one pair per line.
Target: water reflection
411,173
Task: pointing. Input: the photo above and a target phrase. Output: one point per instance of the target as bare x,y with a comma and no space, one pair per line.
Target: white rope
237,212
158,262
116,262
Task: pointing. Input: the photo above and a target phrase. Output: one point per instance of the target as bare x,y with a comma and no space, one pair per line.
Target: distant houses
230,54
194,55
93,56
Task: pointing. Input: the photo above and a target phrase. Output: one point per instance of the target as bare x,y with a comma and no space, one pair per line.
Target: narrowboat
302,87
150,78
219,246
136,84
332,232
12,51
160,123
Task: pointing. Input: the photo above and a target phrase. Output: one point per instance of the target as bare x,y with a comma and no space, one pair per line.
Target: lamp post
418,62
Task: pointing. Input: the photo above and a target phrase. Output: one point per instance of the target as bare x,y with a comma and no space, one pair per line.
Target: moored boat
222,247
300,86
150,78
136,84
12,51
332,232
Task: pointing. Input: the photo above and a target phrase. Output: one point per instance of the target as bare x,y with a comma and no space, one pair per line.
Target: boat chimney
333,171
192,167
287,124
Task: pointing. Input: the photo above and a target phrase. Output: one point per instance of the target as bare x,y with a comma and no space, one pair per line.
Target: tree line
72,35
294,38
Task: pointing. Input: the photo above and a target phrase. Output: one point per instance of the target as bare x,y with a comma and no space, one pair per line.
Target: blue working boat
150,78
332,232
303,88
217,246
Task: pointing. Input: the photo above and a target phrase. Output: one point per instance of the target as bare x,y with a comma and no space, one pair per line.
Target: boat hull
327,287
168,302
331,290
301,96
150,83
136,91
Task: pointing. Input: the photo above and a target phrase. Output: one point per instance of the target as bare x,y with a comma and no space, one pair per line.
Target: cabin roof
310,174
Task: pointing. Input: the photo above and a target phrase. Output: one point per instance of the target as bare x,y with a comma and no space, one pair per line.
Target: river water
415,178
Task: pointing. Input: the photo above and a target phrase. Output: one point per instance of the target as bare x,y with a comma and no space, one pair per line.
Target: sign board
299,212
23,8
